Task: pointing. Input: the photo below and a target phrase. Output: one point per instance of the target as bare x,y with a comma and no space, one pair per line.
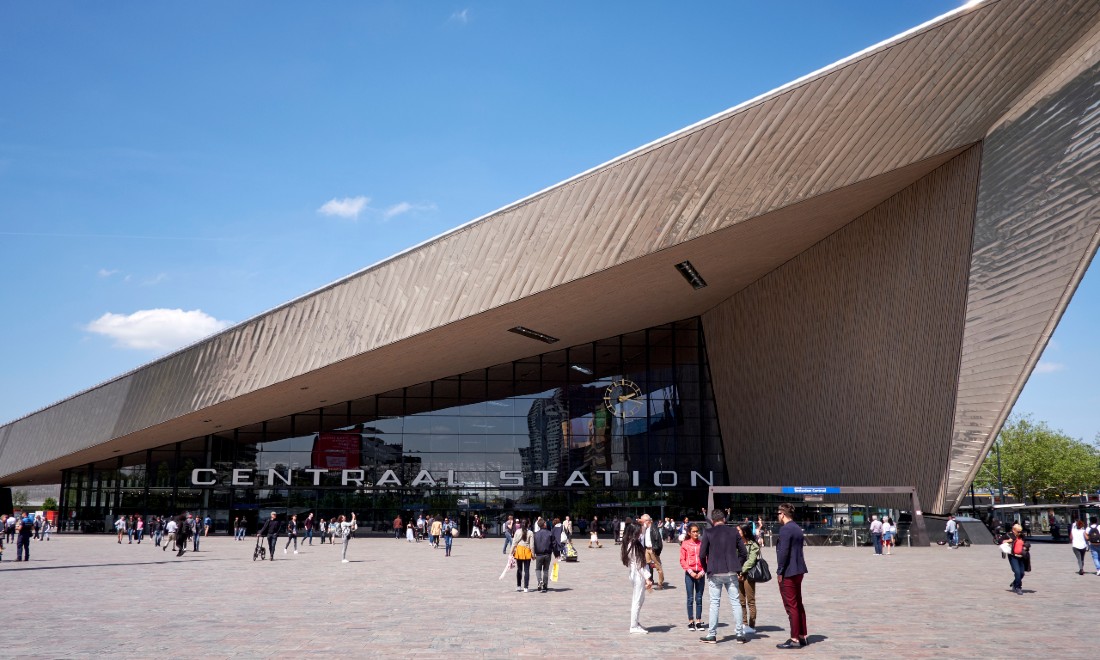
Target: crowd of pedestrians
724,559
21,528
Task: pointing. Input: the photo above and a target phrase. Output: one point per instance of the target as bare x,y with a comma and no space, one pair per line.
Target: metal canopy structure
918,530
888,244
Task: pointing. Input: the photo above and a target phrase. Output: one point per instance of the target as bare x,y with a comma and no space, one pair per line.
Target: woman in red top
694,576
1018,558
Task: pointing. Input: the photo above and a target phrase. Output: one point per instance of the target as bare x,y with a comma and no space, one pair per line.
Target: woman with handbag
1018,558
521,550
746,586
633,556
450,530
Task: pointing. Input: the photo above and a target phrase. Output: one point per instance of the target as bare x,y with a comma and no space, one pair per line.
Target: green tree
1038,462
49,504
19,498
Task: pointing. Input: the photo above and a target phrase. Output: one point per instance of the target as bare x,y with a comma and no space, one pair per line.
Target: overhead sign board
811,490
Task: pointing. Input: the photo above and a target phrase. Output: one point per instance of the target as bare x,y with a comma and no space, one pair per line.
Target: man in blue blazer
789,571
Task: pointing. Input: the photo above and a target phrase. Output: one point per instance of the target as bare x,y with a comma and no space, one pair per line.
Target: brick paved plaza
84,595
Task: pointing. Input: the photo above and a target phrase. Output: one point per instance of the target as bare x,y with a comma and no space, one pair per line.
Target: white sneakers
344,561
295,552
638,630
284,551
749,630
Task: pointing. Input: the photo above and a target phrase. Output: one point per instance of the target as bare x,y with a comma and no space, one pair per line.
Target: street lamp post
1000,483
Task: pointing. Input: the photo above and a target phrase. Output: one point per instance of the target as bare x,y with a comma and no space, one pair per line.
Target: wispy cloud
156,329
461,16
155,280
401,208
104,272
348,207
1048,367
354,207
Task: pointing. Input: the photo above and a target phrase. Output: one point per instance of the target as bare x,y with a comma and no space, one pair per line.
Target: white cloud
462,16
155,280
103,272
156,329
348,207
404,207
1048,367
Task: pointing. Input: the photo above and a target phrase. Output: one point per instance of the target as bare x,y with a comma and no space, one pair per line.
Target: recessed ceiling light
691,275
533,334
584,370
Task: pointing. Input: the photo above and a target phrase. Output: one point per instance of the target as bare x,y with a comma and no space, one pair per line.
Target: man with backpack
1093,536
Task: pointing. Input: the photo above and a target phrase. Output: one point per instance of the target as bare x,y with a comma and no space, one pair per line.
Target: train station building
844,282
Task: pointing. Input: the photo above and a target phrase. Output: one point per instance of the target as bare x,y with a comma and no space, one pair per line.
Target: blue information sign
811,490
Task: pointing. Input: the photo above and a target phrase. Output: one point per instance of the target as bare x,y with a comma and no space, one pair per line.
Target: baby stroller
260,552
570,552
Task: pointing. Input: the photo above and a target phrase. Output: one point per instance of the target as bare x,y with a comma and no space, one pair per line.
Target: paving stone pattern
85,595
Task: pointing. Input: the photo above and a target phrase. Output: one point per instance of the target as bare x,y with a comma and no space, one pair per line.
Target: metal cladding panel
925,93
1036,231
838,368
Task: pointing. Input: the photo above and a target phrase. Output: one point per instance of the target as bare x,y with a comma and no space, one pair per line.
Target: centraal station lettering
247,477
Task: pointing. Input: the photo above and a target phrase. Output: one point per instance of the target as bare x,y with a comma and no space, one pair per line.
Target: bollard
908,539
855,538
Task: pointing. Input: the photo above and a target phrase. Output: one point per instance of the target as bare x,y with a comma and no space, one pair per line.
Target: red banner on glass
336,450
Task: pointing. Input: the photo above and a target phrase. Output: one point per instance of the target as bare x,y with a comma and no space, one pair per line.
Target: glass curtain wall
604,428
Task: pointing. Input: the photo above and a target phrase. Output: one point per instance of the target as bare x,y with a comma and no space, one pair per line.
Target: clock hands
625,397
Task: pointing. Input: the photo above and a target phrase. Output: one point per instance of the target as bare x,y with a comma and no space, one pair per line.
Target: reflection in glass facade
614,425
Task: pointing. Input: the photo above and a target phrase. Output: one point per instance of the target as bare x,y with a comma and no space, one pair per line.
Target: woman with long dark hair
1078,538
633,556
746,588
521,550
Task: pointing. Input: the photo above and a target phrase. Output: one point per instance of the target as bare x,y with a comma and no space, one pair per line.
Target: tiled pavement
84,595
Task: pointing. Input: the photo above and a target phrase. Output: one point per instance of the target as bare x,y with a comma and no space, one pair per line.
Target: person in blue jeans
876,534
507,528
1094,548
694,576
722,553
1017,558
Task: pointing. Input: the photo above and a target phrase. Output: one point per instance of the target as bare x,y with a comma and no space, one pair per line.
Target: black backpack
1094,535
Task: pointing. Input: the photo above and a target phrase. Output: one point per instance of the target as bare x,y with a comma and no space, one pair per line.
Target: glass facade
614,425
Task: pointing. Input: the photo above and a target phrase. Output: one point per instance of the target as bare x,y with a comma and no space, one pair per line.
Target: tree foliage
19,498
1039,463
49,504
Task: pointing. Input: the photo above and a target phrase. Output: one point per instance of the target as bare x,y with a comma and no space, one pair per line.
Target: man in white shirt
170,529
951,532
876,534
651,539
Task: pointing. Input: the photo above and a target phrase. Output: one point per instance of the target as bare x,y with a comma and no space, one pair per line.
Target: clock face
622,398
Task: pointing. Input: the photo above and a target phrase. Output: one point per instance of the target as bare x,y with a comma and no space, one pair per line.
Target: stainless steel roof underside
739,194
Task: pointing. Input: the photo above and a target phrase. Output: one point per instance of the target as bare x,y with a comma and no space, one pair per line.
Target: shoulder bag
759,571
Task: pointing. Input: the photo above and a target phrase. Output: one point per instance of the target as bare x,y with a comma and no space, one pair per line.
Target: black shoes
741,639
691,625
790,644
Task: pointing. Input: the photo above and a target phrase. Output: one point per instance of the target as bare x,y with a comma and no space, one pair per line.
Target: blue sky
167,169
